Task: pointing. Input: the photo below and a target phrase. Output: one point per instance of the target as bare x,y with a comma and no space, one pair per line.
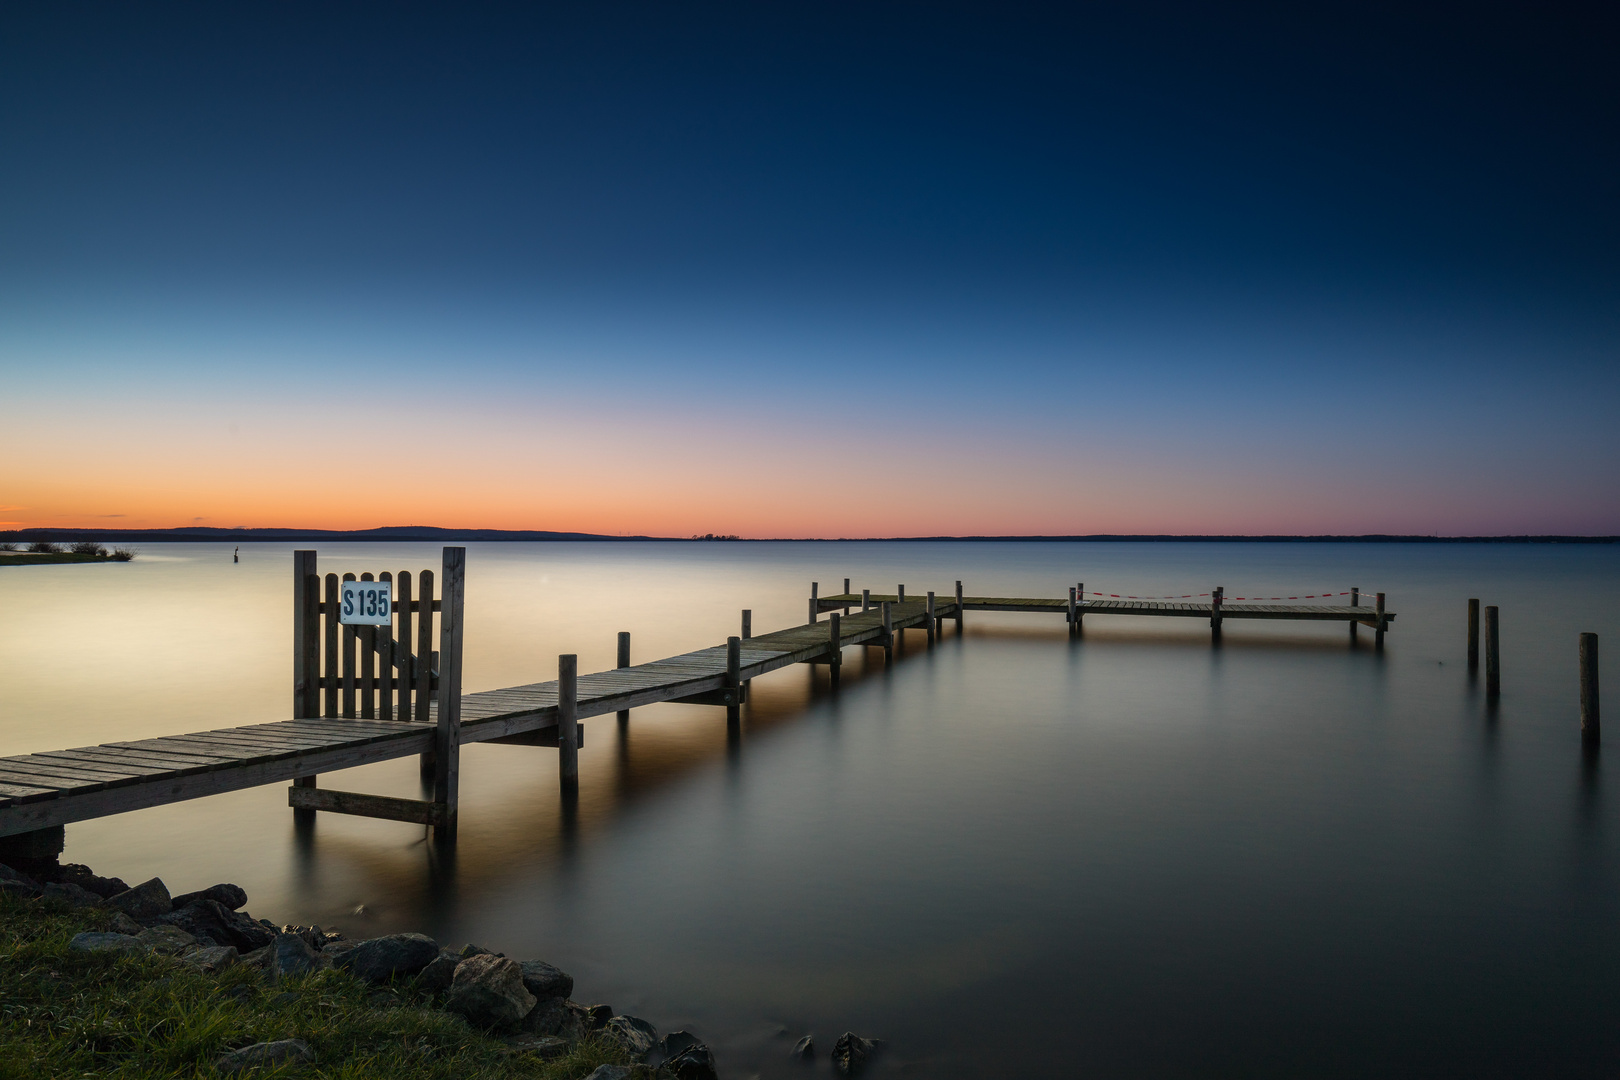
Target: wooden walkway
49,789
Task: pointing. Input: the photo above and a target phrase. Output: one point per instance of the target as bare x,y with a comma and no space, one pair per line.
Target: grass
139,1015
37,558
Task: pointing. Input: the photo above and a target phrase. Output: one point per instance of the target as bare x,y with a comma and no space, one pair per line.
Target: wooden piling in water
447,743
733,679
900,594
1591,728
931,628
835,642
866,601
568,722
959,609
1079,607
1071,613
1473,634
1215,597
846,593
1493,654
1378,632
1355,601
623,661
888,635
306,643
814,602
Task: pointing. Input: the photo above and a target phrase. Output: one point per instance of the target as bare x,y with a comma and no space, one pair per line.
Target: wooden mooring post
846,593
815,603
866,601
1355,601
1079,607
1378,633
1591,727
888,635
1473,634
734,680
447,744
568,722
958,609
835,650
1493,653
1073,614
1215,597
306,643
931,627
623,661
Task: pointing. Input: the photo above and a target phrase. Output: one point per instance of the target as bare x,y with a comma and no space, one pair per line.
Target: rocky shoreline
527,1003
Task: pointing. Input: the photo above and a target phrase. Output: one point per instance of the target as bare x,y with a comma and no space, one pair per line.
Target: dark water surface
1013,855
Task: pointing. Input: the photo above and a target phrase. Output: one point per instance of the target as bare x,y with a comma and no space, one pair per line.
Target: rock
231,896
71,894
543,981
676,1041
469,951
213,922
257,958
693,1063
437,976
803,1050
556,1017
81,875
488,991
851,1052
313,935
290,956
272,1055
123,924
144,902
632,1033
544,1047
608,1072
597,1016
210,959
170,940
99,942
397,955
14,881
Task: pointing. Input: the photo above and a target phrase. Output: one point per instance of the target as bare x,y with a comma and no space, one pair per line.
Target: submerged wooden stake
624,662
1493,653
447,743
931,627
888,634
814,604
866,600
1378,633
733,677
568,721
835,641
1355,601
1591,728
958,608
1215,597
1473,635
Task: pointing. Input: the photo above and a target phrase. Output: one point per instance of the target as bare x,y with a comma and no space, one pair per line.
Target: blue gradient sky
805,270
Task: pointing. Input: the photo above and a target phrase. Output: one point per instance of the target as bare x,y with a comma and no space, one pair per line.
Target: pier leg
1215,598
888,635
835,647
814,603
734,680
568,722
1591,729
900,594
1493,653
306,642
1355,601
1079,608
1071,614
866,601
624,662
1378,634
846,593
930,618
35,846
958,609
1473,635
447,748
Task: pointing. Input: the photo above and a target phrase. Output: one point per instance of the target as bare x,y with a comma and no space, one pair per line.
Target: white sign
367,603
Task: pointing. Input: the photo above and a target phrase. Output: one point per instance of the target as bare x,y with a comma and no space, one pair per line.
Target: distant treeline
435,534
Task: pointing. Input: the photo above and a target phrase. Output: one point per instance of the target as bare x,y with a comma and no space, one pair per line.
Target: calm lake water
1011,855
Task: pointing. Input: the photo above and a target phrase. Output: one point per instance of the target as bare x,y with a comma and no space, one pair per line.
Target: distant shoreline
423,533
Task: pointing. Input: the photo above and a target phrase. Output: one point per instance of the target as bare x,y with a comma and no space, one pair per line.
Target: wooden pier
383,692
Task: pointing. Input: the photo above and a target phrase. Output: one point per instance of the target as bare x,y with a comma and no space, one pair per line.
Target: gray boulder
395,956
144,902
676,1041
123,924
232,896
291,956
851,1053
71,894
488,991
556,1017
544,1047
597,1016
82,876
270,1055
608,1072
543,981
213,922
437,976
14,881
169,940
100,942
803,1050
633,1034
470,950
210,959
693,1063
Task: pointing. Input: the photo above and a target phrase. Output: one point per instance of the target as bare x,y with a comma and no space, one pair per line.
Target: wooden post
568,722
958,609
734,677
1215,599
931,618
1072,614
846,593
900,594
1473,635
1378,631
306,643
347,634
385,659
367,636
888,634
747,623
1355,601
402,634
624,662
1591,729
866,601
835,649
424,648
1079,606
447,744
814,604
1493,655
332,636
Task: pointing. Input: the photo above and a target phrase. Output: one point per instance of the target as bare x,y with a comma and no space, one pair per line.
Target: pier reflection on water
1132,854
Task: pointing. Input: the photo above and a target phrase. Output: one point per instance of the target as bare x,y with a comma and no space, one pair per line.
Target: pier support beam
835,646
734,680
846,593
623,661
1215,597
447,744
814,602
888,635
958,609
1493,653
568,722
1073,615
1378,634
1591,728
866,601
1355,601
1473,635
900,594
931,627
1079,607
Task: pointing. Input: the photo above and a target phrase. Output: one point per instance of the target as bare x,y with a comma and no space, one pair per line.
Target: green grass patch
72,1014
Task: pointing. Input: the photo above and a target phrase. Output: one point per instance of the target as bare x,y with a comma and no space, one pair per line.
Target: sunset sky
811,269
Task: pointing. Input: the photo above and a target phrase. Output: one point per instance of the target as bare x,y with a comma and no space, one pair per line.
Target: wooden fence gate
388,672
